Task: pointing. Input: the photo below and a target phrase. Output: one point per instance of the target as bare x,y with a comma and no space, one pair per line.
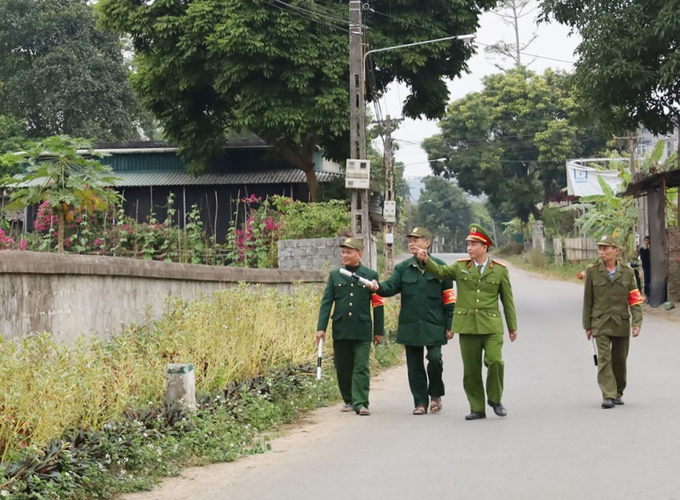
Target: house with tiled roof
149,172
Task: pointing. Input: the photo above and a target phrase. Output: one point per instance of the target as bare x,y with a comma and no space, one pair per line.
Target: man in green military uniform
610,298
427,305
353,329
481,282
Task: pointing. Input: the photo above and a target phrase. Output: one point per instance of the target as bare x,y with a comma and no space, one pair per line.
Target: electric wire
331,14
318,18
440,32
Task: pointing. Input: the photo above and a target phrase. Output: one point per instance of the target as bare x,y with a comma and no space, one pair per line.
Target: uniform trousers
424,383
471,348
612,353
352,366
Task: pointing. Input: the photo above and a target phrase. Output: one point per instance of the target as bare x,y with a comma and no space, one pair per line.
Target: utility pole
361,225
641,229
390,203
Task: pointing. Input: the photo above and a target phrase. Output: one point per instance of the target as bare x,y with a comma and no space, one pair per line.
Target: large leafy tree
628,59
280,68
60,73
510,141
444,209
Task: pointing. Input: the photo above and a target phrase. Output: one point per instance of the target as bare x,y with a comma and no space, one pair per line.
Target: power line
315,17
531,55
439,32
331,14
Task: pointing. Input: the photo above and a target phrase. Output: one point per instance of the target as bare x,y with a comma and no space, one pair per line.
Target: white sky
553,42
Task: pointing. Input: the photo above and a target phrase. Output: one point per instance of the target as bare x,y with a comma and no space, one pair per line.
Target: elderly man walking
427,305
610,298
480,281
353,330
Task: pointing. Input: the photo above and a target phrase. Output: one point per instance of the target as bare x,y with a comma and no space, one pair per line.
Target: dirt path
212,480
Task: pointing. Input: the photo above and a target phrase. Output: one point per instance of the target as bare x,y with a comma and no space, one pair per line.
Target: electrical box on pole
358,174
390,211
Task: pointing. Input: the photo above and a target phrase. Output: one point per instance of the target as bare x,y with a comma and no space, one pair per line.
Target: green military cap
354,243
421,232
478,233
608,240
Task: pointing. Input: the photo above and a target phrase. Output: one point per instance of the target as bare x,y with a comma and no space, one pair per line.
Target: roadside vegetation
90,420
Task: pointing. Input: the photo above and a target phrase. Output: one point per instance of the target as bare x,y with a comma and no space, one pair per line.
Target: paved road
555,443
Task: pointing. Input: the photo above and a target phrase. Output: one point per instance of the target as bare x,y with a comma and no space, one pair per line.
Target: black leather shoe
608,403
475,415
498,409
618,401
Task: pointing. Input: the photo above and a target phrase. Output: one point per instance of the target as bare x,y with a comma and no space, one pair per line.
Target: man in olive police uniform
352,326
425,317
480,282
610,298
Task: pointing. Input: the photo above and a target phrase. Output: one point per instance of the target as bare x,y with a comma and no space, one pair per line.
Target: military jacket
427,304
608,304
477,309
351,303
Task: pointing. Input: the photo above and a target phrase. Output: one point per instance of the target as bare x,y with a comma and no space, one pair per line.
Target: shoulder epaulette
592,264
499,262
463,259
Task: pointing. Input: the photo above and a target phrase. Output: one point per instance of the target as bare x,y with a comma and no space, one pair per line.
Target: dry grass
233,335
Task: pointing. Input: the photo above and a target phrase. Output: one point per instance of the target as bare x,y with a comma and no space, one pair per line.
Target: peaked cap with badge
478,233
354,243
608,241
421,232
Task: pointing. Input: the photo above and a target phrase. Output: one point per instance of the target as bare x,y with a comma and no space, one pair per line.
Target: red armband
634,297
448,297
377,300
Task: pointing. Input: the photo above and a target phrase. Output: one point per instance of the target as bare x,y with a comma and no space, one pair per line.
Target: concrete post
181,385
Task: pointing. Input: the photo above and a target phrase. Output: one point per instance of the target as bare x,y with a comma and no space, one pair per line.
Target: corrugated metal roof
159,178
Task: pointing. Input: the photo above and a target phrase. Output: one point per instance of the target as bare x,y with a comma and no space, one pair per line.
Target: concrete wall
312,254
69,295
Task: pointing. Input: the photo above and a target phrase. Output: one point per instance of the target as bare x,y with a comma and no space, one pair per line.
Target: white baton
355,276
318,360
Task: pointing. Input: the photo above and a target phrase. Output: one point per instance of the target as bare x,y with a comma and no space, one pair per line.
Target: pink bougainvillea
9,243
45,218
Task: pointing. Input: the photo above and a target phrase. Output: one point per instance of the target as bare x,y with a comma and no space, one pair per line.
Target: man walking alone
610,298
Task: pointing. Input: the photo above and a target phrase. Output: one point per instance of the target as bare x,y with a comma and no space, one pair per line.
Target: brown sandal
420,410
436,405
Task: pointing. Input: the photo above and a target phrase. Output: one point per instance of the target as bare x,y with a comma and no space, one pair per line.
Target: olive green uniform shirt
352,311
609,303
427,304
477,309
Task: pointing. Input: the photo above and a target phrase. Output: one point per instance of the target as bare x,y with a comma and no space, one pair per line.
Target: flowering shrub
107,232
254,243
251,242
8,243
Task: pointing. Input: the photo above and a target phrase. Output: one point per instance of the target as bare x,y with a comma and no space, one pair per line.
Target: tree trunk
301,157
60,231
313,185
